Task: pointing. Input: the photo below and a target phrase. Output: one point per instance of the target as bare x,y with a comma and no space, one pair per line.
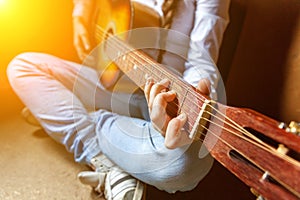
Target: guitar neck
138,66
261,166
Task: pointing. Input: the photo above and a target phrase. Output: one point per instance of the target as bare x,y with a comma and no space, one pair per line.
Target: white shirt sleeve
211,20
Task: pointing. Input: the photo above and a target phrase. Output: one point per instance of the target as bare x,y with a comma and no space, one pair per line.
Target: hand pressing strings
158,96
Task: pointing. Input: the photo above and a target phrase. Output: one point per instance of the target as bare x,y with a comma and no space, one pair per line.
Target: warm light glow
31,25
3,4
6,8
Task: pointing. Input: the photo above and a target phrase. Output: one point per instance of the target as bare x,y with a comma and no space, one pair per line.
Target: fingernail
164,81
149,80
172,92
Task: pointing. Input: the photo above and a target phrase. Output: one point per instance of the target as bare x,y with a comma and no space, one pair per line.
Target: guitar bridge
201,124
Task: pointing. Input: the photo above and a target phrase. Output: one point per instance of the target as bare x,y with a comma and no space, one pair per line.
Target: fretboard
138,66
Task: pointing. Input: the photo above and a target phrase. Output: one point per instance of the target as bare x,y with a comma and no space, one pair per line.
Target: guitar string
201,99
266,148
262,146
136,61
159,77
284,184
249,135
272,151
127,49
237,127
145,58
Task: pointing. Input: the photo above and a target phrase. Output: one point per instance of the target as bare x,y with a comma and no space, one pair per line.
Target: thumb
175,135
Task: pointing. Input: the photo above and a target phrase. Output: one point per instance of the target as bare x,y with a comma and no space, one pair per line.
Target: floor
33,166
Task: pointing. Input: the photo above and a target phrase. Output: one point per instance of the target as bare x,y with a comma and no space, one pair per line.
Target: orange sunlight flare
31,25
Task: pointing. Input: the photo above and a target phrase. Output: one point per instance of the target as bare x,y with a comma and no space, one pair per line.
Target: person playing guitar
162,136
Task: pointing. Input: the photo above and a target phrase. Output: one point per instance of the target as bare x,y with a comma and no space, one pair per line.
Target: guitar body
260,151
118,17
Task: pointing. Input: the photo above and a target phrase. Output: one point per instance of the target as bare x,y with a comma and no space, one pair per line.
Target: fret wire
135,70
160,76
142,59
183,100
139,71
179,85
154,67
201,98
141,76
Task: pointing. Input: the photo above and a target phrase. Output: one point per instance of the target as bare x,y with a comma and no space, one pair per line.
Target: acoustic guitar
260,151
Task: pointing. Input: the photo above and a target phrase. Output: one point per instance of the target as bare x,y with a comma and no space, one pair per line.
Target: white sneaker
110,180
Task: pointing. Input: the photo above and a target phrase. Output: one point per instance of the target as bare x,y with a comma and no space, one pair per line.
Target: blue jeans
76,111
